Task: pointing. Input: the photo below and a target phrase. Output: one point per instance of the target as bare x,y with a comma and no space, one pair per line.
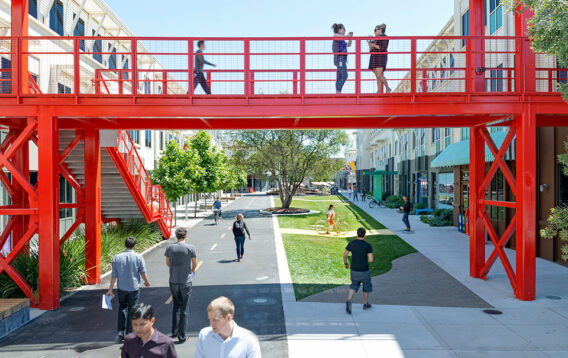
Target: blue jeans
126,300
240,241
181,295
405,220
341,75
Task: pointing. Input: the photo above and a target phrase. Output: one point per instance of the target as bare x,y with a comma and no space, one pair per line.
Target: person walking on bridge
379,57
239,229
339,49
182,261
198,70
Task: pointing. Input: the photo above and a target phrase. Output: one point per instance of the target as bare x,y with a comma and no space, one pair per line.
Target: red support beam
526,62
526,205
477,229
19,28
92,205
48,180
476,29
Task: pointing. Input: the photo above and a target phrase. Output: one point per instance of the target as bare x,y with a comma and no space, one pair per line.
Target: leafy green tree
209,161
548,29
558,219
288,156
175,170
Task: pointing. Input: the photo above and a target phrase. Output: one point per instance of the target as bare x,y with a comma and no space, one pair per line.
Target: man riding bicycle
217,207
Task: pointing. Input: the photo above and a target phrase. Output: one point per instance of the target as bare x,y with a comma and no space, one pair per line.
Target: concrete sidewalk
524,329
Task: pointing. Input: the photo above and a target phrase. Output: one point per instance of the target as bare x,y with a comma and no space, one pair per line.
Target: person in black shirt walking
406,208
361,254
199,62
239,229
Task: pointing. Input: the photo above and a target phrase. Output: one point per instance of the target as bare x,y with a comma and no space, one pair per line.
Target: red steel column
48,192
476,228
526,204
527,57
477,29
19,28
92,205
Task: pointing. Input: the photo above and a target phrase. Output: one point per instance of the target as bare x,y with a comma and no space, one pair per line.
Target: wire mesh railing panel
5,65
499,63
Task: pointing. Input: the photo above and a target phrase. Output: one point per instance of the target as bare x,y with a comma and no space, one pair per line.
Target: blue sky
222,18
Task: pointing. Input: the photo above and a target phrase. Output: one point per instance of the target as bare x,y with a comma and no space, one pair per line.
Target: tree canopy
288,156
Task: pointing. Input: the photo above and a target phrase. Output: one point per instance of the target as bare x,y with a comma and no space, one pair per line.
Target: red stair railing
149,198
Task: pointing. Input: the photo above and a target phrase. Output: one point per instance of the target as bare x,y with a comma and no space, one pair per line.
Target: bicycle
373,202
217,214
322,226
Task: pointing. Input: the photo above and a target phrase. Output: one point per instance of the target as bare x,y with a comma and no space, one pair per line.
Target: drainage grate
495,312
554,297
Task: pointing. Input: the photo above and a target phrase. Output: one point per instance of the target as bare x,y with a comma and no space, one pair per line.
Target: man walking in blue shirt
127,268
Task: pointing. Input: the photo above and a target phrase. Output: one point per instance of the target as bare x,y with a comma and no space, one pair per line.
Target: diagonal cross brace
499,161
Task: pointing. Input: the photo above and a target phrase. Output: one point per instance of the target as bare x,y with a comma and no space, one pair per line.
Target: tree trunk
175,213
195,211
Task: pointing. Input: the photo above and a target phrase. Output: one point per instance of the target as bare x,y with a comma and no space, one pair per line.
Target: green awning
458,153
380,172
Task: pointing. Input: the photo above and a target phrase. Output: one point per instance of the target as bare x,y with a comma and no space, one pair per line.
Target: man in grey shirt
182,261
198,70
127,267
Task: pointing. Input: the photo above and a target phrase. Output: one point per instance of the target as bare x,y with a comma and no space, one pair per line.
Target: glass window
465,25
135,135
465,133
65,196
79,30
496,193
562,187
56,17
496,16
148,139
98,47
5,76
445,190
112,57
452,64
63,89
497,79
32,8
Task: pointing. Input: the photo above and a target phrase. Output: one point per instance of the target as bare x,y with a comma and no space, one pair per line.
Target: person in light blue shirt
217,206
224,338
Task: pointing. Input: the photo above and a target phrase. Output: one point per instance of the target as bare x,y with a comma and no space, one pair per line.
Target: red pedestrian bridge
119,83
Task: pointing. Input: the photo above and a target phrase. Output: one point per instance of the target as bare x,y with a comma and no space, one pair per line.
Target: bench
419,211
14,312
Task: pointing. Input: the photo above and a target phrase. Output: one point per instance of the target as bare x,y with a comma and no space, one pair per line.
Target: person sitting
217,206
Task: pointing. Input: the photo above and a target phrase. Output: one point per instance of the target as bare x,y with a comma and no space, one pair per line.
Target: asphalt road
80,328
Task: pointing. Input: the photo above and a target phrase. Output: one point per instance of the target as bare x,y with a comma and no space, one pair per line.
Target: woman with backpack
239,230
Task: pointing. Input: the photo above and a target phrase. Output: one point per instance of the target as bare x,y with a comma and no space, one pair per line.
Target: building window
5,83
497,80
452,64
32,8
63,89
79,30
65,196
443,74
112,57
148,139
445,190
562,187
465,133
496,16
97,49
135,135
447,136
56,17
125,66
465,25
496,193
562,75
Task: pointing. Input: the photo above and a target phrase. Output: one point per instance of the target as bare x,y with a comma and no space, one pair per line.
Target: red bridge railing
149,66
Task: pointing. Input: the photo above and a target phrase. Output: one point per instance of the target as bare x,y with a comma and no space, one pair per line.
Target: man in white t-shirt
224,338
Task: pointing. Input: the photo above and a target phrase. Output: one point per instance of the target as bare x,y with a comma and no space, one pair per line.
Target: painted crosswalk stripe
198,265
213,247
169,300
223,235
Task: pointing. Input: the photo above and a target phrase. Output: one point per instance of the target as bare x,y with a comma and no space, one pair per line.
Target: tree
175,171
288,156
209,161
548,30
558,219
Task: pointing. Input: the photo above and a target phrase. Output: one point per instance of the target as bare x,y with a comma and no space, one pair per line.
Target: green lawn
316,262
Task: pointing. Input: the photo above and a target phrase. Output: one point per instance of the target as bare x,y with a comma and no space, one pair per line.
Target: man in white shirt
224,338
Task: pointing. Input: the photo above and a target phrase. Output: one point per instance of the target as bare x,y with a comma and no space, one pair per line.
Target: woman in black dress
378,61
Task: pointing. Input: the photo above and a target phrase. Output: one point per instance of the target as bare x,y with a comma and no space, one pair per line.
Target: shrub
441,217
394,202
72,256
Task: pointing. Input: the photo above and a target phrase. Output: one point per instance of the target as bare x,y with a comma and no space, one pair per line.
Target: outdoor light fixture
543,187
